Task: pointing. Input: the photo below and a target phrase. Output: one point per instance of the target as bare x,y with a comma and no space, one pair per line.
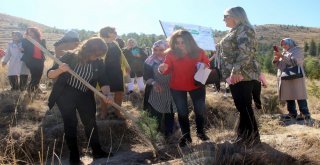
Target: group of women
168,74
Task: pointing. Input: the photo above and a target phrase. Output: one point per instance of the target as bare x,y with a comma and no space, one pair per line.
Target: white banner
202,35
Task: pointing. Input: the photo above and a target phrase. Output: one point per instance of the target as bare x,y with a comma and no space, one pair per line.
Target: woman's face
180,44
113,35
95,56
284,46
229,21
158,51
130,44
31,34
15,37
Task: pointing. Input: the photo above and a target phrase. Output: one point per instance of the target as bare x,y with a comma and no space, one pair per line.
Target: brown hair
36,32
93,46
104,32
190,44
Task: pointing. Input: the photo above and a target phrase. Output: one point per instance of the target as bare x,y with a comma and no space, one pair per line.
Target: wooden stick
94,90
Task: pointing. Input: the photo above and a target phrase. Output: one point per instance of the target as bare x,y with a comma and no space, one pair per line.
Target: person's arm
295,56
54,73
7,56
148,75
104,81
166,66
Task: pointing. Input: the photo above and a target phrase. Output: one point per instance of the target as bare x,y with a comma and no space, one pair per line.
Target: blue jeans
303,107
181,100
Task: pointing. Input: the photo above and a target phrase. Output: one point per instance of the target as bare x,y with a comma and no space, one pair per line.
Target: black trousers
165,120
14,82
256,92
242,97
36,69
69,102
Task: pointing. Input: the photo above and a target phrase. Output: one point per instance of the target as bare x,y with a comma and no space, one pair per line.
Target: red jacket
182,70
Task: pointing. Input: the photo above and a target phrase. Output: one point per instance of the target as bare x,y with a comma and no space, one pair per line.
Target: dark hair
92,46
190,44
120,43
18,34
36,32
104,32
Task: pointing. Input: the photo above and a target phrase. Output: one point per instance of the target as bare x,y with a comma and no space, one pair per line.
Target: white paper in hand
202,74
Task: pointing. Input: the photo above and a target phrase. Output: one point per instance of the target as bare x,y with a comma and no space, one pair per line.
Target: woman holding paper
239,70
182,57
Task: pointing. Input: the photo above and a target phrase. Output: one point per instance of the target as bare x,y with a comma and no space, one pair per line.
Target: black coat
28,50
71,59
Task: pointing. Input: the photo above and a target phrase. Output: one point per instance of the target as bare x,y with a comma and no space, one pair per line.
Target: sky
142,16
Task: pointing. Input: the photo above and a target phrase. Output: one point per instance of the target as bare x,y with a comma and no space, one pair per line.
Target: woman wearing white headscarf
292,90
158,100
16,68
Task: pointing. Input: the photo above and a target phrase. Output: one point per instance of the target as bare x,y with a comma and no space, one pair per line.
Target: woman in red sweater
182,57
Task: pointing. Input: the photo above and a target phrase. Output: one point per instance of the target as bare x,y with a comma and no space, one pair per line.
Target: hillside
268,34
272,34
11,23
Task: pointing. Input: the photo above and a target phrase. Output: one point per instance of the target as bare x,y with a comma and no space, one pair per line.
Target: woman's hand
163,67
108,99
64,67
157,87
235,78
61,69
277,56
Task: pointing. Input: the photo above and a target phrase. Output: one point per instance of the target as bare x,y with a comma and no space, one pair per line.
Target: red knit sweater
182,70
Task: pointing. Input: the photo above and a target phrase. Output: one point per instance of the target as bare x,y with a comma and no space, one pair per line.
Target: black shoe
303,117
289,116
258,106
203,137
184,141
74,158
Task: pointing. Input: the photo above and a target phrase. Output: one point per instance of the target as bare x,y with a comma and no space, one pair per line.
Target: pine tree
318,53
306,46
313,48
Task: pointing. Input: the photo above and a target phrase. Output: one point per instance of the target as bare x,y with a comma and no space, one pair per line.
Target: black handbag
292,72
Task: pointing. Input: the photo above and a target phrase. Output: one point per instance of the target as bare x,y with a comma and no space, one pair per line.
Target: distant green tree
313,48
23,26
306,46
144,40
312,67
318,52
86,34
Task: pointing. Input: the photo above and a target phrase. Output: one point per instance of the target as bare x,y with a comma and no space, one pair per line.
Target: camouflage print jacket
238,53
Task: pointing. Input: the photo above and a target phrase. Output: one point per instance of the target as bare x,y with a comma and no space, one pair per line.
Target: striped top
160,101
84,71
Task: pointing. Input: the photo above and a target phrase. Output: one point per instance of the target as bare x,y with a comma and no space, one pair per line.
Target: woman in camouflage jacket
239,70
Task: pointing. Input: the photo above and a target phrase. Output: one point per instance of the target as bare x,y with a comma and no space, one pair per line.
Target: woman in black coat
71,95
33,57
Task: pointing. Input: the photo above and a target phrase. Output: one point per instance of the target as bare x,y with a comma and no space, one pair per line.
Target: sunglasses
226,16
